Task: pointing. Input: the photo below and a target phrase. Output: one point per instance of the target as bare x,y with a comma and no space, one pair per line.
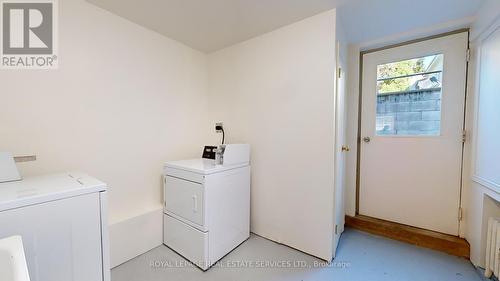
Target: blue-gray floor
360,256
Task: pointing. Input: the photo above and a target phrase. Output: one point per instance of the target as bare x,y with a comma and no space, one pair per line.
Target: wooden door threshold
449,244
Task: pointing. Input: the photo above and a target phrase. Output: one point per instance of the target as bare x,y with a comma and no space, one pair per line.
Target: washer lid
36,190
202,166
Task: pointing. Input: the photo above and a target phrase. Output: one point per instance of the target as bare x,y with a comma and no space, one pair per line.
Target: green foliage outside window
396,69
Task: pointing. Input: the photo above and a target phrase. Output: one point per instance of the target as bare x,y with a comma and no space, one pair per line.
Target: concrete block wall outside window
409,113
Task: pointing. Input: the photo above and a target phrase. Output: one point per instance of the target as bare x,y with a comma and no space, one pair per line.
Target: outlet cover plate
219,124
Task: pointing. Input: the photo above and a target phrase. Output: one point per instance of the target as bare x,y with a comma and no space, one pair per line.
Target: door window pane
409,97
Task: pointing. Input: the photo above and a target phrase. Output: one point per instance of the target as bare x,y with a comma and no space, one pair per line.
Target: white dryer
207,206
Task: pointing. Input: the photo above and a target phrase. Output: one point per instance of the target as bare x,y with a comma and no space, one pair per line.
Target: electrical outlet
219,127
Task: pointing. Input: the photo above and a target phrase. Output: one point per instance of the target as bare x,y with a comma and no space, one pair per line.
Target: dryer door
184,199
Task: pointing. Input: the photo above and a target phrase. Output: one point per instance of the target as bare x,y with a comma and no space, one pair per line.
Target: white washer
62,220
207,207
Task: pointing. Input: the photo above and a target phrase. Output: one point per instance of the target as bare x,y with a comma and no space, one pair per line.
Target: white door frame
340,148
360,98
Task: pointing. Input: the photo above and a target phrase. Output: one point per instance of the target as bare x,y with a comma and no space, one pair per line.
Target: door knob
345,148
367,139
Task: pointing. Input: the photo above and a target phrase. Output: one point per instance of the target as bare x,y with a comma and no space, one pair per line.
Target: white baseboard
137,235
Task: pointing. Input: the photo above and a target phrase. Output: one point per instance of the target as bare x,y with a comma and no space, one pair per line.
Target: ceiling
210,25
366,20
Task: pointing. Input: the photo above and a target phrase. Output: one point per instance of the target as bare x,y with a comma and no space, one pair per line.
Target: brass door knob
345,148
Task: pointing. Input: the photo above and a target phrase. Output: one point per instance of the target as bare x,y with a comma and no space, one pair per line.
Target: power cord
220,128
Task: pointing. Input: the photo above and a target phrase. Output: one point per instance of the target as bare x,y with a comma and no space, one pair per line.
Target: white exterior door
412,133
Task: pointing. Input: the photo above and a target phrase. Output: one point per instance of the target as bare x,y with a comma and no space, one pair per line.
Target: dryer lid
202,166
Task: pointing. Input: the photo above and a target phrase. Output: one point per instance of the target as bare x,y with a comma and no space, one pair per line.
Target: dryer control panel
209,152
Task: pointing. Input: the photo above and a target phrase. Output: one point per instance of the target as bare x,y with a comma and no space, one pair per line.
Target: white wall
123,101
481,185
352,128
276,92
487,14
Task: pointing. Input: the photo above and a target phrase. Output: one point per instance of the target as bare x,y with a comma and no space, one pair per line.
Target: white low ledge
486,183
